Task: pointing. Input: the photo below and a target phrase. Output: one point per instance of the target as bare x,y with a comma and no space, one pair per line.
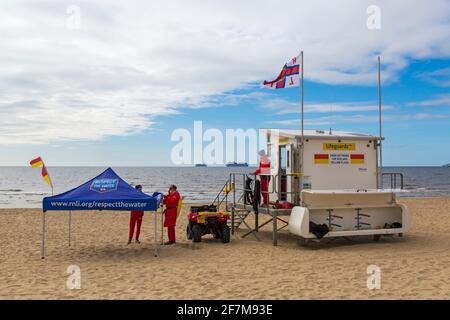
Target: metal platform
267,210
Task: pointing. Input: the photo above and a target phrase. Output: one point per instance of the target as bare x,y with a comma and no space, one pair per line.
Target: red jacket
171,201
264,166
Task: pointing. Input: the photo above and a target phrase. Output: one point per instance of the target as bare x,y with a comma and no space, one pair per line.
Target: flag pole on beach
36,163
380,178
301,89
302,124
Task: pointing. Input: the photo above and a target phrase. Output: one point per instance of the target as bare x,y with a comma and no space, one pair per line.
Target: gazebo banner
107,191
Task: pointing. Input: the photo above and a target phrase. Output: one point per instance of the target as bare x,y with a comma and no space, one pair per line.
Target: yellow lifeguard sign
339,146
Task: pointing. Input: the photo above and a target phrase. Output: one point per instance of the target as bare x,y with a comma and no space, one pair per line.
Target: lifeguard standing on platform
264,175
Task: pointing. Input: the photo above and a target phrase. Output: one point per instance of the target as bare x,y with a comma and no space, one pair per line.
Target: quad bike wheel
196,233
225,234
188,232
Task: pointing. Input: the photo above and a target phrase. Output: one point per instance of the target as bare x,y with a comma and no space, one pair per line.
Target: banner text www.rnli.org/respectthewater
99,204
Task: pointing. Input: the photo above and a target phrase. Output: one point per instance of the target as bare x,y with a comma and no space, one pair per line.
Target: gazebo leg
156,234
70,227
162,227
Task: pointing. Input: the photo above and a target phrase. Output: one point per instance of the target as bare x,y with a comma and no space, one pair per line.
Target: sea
23,187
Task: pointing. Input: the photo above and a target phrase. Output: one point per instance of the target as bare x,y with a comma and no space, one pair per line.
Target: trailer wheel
303,241
377,237
196,233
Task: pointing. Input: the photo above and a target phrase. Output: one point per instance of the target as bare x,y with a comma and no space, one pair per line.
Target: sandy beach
416,266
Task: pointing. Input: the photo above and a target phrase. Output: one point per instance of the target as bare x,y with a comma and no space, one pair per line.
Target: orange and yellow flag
36,162
45,175
39,163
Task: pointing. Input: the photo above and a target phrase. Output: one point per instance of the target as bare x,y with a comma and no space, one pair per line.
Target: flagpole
43,218
380,183
37,162
302,124
302,92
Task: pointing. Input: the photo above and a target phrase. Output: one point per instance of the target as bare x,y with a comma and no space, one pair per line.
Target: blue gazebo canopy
107,191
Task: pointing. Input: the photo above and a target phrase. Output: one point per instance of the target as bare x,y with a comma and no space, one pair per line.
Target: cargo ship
237,164
200,165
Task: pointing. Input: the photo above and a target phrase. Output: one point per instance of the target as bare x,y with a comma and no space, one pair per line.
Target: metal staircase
222,197
239,217
222,202
232,198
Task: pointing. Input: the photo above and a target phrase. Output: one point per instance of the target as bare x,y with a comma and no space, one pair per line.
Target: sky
106,83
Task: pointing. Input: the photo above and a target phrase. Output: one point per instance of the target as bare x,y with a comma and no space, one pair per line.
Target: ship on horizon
237,164
200,165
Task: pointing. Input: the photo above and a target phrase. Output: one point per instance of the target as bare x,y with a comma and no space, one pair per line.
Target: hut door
292,170
283,160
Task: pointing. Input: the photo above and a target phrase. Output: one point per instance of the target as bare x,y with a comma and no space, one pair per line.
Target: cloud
281,107
131,63
439,77
359,118
439,100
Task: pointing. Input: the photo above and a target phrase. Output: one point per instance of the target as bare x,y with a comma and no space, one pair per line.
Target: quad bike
206,220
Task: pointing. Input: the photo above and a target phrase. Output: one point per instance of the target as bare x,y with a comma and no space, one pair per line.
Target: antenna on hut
331,117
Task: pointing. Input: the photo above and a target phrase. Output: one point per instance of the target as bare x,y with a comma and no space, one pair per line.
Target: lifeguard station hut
332,178
341,184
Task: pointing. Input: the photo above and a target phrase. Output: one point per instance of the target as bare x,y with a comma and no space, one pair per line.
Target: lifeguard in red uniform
135,221
171,200
264,175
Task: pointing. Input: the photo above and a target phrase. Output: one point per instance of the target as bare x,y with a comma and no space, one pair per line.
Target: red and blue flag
288,77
